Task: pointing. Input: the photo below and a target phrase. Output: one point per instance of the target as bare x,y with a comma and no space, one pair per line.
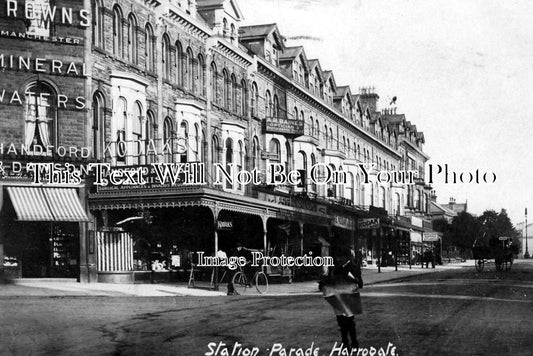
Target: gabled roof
340,92
289,53
434,207
328,75
315,64
421,137
261,31
217,4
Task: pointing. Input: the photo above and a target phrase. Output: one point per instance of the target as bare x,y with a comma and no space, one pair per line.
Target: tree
443,226
465,230
497,225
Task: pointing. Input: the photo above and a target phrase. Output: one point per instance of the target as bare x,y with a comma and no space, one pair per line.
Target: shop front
42,231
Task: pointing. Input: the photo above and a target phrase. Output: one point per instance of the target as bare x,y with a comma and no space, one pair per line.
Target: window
98,23
295,113
167,140
200,76
416,199
149,137
118,46
120,119
184,135
288,157
214,82
301,164
313,162
97,124
225,89
40,115
331,193
38,14
255,99
274,150
133,42
233,105
180,65
195,146
331,142
149,48
225,27
137,133
268,104
233,33
255,153
382,197
243,98
214,152
396,204
165,56
190,70
229,160
240,162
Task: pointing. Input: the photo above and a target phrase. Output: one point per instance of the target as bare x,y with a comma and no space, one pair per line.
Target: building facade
139,84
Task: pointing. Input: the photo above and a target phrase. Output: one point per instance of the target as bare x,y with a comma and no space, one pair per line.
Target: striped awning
46,204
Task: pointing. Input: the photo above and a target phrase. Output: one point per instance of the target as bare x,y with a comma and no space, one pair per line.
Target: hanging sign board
430,236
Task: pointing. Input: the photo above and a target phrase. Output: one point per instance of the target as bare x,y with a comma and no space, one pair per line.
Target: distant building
445,211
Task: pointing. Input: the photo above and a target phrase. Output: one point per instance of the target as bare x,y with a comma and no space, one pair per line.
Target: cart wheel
261,282
480,264
507,264
239,282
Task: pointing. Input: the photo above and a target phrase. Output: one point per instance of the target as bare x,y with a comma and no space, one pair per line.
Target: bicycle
240,281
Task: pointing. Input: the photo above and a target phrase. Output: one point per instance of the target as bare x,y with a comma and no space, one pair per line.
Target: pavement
70,288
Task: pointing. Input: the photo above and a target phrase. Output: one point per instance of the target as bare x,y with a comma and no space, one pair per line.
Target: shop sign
504,238
343,222
430,236
224,225
293,202
370,223
284,126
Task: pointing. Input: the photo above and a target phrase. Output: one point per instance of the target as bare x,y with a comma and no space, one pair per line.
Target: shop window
40,123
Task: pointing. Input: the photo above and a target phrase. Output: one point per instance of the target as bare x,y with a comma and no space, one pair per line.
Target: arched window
149,48
233,33
240,161
200,73
214,77
312,126
225,27
317,130
137,135
268,104
98,23
255,99
233,105
97,124
348,148
358,191
301,164
382,198
120,119
167,140
396,204
243,97
274,150
214,152
313,184
331,141
133,41
255,153
184,135
195,144
150,137
180,65
118,46
288,157
276,106
416,194
229,159
190,70
326,135
225,89
332,193
165,56
349,188
295,113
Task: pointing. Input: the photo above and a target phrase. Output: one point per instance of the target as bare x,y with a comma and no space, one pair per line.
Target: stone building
173,82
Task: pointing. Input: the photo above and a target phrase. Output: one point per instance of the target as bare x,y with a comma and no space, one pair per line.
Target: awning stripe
65,204
30,204
46,204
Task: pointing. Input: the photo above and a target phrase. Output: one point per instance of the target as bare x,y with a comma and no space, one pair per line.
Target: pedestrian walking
341,290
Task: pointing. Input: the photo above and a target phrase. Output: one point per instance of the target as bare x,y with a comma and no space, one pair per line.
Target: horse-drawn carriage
499,250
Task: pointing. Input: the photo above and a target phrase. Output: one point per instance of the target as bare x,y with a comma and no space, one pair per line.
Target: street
454,312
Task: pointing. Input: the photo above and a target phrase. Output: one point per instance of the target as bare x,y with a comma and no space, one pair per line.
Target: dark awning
46,204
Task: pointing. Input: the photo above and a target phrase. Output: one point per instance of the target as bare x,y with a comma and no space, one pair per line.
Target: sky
462,72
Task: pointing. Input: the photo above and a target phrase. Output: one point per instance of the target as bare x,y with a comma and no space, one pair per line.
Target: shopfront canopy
46,204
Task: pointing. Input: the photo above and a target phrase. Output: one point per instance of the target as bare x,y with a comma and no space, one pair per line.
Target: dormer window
233,34
225,28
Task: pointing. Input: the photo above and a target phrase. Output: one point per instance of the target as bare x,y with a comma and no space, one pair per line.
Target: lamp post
526,255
